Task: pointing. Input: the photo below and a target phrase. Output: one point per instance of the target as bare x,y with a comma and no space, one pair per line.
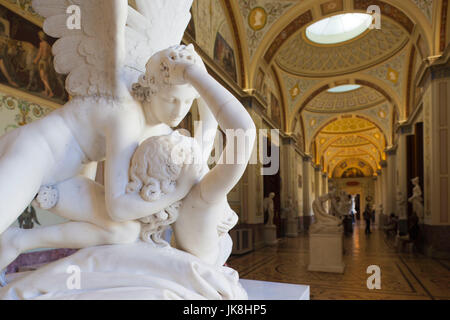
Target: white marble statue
333,209
120,100
289,210
343,203
107,62
269,207
416,198
324,222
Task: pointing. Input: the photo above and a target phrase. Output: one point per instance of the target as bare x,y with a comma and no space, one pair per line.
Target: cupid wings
115,41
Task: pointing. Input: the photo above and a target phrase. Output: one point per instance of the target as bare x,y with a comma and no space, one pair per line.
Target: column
384,188
391,183
375,199
436,135
289,182
307,200
317,182
324,183
401,192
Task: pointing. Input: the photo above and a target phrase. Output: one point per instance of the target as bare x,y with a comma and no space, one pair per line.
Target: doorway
272,183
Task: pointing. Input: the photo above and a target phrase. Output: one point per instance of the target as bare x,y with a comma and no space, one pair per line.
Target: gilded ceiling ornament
260,16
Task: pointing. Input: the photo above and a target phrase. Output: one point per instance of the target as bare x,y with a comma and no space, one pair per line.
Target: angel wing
93,55
153,26
115,41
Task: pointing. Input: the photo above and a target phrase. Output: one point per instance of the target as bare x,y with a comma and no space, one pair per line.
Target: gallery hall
324,126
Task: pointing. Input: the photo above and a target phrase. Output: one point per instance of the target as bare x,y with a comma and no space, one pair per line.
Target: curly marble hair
157,74
155,167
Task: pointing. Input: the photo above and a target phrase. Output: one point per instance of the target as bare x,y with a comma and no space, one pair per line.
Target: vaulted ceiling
347,129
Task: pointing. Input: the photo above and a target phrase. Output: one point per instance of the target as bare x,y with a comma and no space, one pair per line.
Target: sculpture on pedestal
269,207
291,214
326,235
120,98
416,198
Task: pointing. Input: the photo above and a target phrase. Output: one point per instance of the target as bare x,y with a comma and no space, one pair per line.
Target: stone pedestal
264,290
326,252
270,234
292,228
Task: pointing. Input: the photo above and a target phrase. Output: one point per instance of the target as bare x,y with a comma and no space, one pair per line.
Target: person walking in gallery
367,215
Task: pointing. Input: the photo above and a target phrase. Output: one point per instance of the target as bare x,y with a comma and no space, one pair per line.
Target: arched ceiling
329,102
301,57
276,62
347,130
349,138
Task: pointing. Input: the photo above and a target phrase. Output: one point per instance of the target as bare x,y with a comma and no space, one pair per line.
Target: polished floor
404,276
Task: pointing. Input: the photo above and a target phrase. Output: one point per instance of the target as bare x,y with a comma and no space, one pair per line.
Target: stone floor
404,276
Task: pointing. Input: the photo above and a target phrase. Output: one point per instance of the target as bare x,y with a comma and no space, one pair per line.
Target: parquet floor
404,276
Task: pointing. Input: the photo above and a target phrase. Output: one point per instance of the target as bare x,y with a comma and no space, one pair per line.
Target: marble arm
121,143
230,114
208,131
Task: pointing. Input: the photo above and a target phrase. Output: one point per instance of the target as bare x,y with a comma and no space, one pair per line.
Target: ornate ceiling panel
348,125
349,141
426,6
296,87
362,98
392,72
301,57
259,16
353,168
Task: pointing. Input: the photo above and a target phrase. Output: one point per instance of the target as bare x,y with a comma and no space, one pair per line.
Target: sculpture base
264,290
292,228
326,252
270,235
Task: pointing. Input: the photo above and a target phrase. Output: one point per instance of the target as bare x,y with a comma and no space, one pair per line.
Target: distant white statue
119,102
343,203
269,207
416,198
289,210
324,222
333,209
401,204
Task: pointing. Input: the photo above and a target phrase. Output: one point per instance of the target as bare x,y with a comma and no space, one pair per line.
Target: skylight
339,28
344,88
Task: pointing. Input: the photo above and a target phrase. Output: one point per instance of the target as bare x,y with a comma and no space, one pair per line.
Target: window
339,28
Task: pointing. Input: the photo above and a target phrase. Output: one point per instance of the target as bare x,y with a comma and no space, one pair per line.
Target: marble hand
178,60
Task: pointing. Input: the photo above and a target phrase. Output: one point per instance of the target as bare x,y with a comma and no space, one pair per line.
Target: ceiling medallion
294,92
392,75
257,18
